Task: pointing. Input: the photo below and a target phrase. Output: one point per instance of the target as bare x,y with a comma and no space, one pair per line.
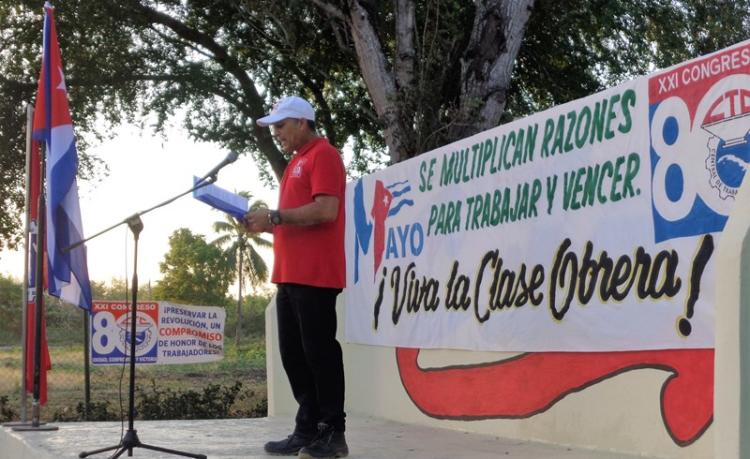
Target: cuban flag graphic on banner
68,277
387,201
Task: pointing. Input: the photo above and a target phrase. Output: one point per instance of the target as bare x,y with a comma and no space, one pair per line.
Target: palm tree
242,245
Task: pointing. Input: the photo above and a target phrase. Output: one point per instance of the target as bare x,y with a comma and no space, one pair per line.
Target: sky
145,170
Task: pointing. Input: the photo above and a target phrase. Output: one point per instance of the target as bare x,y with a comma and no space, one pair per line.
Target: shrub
260,410
214,402
6,412
97,411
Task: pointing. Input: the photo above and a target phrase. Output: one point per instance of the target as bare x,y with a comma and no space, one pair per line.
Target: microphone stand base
130,441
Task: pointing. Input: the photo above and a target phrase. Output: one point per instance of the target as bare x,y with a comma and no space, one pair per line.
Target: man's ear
302,124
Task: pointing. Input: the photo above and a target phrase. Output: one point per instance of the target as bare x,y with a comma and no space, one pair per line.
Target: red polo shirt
311,255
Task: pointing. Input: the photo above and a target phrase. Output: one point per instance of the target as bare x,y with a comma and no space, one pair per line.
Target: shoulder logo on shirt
297,170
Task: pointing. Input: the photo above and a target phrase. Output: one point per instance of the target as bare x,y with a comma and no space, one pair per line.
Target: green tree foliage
64,321
92,54
195,272
119,290
391,79
252,318
238,243
574,48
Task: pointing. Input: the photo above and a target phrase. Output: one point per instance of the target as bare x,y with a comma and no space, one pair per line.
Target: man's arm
323,209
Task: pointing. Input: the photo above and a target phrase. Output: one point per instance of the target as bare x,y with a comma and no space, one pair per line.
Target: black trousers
311,355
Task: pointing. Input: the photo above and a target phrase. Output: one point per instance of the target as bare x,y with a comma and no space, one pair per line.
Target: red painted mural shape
531,383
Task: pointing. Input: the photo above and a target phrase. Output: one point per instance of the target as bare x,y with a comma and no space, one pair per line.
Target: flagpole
42,231
23,424
41,249
38,304
25,292
25,307
39,295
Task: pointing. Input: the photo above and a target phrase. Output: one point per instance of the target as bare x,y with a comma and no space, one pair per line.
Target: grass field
169,384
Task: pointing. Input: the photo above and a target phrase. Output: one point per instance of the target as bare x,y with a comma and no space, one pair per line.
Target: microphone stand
130,440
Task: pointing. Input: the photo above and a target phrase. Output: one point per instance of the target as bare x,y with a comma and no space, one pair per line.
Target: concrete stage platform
368,438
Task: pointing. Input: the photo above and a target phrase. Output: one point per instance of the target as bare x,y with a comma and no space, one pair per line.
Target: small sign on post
166,333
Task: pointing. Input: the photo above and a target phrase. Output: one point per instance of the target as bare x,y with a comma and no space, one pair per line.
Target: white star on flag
62,80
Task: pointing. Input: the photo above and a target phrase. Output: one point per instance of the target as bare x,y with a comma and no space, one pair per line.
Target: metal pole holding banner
86,367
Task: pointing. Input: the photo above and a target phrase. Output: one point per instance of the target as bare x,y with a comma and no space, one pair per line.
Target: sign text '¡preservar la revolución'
497,288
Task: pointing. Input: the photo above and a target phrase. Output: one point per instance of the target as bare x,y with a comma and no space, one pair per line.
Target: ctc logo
698,162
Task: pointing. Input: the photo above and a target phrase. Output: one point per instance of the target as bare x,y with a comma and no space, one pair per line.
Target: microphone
231,157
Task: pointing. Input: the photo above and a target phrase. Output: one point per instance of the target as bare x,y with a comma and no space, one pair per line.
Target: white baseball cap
288,107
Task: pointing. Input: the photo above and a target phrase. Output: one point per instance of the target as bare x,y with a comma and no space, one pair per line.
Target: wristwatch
274,217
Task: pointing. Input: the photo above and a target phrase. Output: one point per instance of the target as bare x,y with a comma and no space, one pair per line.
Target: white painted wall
620,414
729,379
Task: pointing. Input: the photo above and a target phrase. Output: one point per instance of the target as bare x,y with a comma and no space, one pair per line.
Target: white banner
166,333
591,226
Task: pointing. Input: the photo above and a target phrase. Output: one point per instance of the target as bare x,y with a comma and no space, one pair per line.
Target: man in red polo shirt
309,271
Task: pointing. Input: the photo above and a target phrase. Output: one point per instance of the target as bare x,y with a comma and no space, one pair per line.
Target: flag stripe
67,270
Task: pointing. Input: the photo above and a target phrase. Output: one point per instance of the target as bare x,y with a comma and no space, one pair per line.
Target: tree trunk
405,48
379,80
487,65
238,325
486,68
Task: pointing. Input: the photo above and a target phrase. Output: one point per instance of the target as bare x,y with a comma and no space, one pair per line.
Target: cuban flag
67,275
381,206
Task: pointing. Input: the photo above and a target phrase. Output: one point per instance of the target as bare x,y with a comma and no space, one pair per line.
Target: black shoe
289,446
328,444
